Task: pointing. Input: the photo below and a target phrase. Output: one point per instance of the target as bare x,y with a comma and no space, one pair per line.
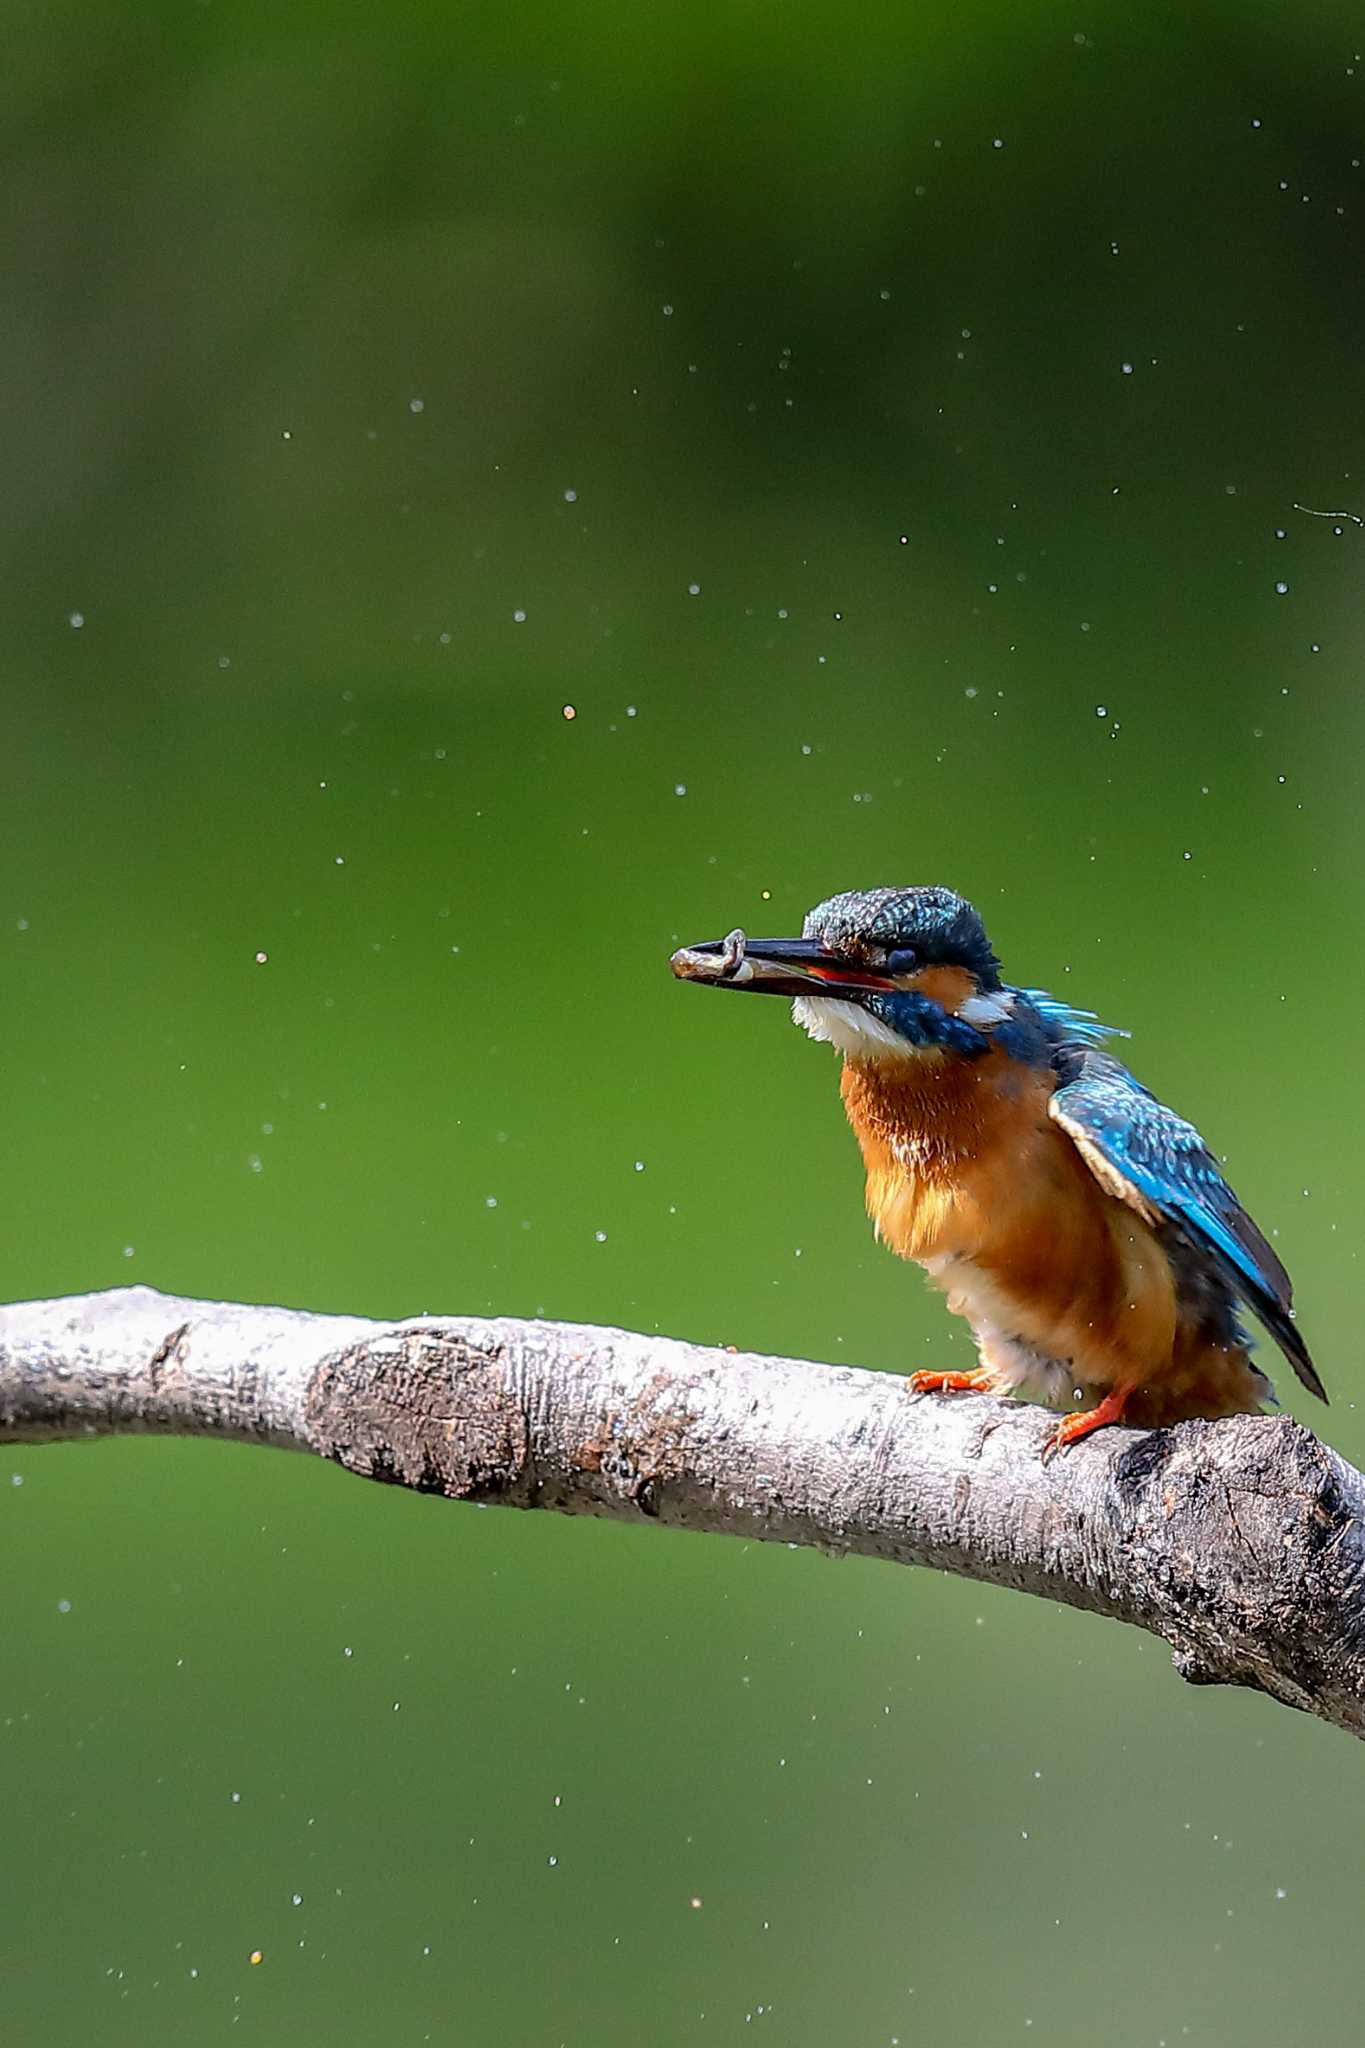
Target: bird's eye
904,960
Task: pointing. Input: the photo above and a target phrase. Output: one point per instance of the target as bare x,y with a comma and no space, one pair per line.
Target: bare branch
1241,1543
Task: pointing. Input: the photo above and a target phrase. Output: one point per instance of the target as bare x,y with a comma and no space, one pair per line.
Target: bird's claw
950,1383
1084,1422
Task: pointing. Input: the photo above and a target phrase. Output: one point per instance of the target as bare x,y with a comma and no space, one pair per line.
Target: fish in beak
775,967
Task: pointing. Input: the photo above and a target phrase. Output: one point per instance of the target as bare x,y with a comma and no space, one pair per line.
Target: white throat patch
858,1035
850,1029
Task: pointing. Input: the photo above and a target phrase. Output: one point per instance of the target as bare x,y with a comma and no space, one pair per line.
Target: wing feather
1152,1159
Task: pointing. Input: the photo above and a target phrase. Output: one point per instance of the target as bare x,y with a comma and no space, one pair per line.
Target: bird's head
878,973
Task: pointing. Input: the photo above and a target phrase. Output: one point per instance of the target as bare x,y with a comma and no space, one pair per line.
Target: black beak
774,967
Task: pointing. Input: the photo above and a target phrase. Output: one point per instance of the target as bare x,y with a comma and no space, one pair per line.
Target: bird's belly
1069,1353
1066,1288
1024,1343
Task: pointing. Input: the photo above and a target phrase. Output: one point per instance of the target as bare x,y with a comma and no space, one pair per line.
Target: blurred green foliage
885,430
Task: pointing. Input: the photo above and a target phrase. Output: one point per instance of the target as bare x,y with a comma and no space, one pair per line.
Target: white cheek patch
987,1009
850,1029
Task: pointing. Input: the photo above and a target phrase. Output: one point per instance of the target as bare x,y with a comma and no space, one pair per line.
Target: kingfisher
1081,1227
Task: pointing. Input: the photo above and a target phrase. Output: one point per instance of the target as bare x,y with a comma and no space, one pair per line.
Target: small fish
723,962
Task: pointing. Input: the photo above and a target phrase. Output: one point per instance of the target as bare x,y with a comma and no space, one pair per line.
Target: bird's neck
922,1114
936,1133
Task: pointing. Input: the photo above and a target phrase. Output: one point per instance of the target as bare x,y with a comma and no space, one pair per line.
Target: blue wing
1156,1162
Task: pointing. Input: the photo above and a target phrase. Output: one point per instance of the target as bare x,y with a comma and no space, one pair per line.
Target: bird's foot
1072,1428
950,1383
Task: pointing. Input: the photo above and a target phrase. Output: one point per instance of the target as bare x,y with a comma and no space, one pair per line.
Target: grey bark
1241,1543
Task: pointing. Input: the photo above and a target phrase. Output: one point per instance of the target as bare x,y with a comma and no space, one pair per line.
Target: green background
374,385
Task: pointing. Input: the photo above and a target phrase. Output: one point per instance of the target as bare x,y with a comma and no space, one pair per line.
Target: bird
1082,1228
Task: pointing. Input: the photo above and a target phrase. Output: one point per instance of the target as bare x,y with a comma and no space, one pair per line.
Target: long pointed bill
773,967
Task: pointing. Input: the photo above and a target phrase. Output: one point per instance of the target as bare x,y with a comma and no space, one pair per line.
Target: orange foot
950,1383
1072,1428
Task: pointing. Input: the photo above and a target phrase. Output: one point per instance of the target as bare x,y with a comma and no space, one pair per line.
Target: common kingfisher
1081,1227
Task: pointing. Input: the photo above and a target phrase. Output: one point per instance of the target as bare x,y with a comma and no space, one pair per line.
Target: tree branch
1241,1543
